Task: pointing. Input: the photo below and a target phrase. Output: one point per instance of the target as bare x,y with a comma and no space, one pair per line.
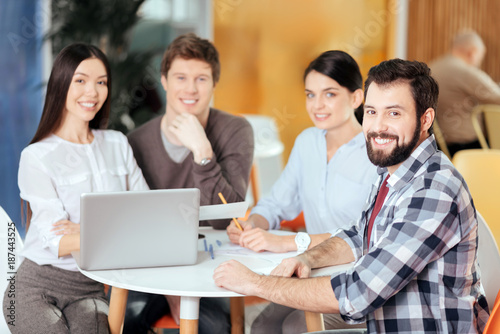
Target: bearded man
414,247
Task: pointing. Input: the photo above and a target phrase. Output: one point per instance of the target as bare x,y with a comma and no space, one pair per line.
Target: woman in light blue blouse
328,176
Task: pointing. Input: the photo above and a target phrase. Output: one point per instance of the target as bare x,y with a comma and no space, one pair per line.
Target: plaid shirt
420,274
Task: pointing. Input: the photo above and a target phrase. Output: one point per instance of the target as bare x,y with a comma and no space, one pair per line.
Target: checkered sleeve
354,239
423,227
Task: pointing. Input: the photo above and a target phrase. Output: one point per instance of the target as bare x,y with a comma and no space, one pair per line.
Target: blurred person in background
462,86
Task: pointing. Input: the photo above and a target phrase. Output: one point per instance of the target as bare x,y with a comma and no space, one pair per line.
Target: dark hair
340,67
190,46
62,73
424,88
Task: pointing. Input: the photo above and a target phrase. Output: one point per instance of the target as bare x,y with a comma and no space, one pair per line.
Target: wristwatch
302,240
205,161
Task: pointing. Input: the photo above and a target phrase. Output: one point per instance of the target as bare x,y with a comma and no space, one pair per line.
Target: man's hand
65,227
234,276
259,240
190,133
234,233
297,265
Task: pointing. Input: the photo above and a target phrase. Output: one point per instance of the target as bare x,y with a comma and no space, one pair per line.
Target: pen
205,243
234,219
211,250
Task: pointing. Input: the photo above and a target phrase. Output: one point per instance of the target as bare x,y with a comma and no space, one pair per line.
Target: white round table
189,282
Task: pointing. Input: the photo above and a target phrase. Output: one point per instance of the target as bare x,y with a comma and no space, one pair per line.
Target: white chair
488,258
6,229
267,163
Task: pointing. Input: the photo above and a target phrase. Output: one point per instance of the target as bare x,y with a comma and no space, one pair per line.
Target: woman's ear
357,98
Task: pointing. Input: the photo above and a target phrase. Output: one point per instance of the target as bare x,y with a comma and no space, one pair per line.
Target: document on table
232,250
236,250
221,211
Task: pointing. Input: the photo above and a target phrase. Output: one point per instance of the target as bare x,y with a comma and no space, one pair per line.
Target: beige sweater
228,172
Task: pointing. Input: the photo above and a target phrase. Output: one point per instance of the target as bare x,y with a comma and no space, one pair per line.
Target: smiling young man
191,146
415,244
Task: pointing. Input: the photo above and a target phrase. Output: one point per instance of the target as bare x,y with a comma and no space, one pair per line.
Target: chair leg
314,321
117,306
237,307
254,184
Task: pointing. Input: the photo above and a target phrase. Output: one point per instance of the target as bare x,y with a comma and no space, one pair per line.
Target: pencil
234,219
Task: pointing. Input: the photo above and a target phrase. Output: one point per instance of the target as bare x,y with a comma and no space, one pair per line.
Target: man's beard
397,155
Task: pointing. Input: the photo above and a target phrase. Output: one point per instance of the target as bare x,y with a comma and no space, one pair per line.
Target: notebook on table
134,229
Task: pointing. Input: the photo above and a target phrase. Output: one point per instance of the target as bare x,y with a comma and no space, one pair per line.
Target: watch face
301,239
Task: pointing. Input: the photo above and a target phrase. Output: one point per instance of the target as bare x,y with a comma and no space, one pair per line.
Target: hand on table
297,265
234,233
64,227
260,240
234,276
188,130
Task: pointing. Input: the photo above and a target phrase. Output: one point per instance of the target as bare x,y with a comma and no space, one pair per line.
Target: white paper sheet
222,211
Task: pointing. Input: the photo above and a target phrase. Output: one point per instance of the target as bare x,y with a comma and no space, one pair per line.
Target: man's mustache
381,135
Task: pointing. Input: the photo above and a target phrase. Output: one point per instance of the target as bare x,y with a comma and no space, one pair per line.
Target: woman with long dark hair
328,177
70,154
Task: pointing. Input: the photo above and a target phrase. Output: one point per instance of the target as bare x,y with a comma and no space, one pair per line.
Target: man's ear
357,98
427,119
164,82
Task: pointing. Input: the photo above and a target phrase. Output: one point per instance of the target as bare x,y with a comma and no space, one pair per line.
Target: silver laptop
133,229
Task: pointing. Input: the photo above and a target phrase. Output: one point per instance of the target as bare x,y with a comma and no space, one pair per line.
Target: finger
246,238
256,243
233,228
277,271
61,222
234,238
247,226
249,235
303,272
286,268
172,129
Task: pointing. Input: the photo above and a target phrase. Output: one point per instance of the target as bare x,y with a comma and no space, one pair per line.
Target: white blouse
53,173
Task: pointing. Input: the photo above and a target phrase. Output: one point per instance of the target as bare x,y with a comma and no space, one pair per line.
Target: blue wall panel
21,91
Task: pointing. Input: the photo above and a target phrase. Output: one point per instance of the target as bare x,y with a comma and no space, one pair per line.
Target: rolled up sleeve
423,228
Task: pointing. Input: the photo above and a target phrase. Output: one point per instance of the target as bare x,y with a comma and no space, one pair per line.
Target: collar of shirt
403,175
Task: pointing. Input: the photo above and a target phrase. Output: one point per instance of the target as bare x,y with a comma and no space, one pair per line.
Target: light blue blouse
331,194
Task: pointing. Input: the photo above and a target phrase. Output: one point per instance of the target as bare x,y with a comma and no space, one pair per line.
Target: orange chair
493,324
237,311
164,322
294,225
